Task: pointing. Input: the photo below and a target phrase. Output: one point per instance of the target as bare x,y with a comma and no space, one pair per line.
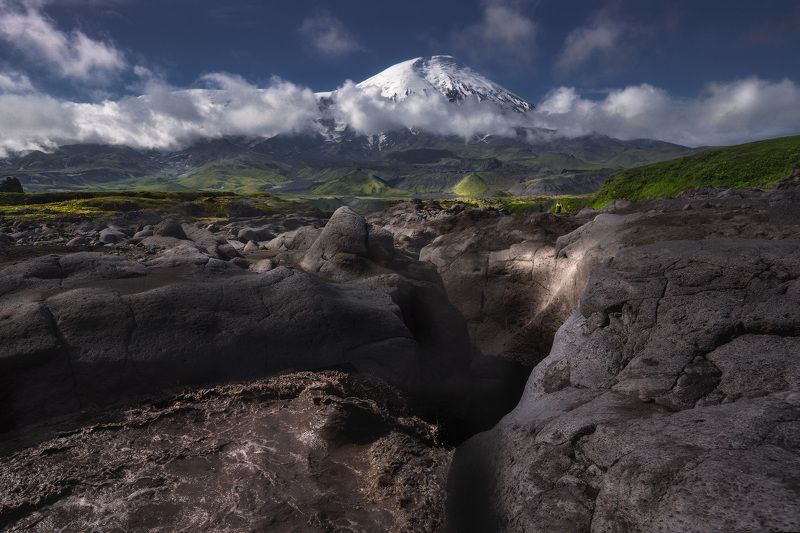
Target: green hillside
472,185
357,183
243,176
758,164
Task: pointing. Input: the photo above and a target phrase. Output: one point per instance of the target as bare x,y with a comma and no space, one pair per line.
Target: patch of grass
97,205
758,164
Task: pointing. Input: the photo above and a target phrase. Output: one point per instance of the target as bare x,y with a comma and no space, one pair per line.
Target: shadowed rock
10,184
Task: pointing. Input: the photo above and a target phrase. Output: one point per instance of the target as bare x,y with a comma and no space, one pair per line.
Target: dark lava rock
255,234
10,184
670,401
300,452
170,228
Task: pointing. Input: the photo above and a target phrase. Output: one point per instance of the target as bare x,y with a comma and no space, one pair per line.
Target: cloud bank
725,113
167,118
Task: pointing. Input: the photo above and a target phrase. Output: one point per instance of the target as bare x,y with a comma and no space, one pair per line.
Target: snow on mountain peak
445,75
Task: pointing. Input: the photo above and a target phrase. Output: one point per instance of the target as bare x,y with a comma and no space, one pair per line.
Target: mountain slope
758,164
523,160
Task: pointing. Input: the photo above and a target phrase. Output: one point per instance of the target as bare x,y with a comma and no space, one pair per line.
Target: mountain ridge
409,160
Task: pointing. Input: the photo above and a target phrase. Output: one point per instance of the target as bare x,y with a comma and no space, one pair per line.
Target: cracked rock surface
670,401
300,452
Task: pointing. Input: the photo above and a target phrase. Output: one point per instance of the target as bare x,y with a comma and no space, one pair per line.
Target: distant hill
757,164
358,183
472,185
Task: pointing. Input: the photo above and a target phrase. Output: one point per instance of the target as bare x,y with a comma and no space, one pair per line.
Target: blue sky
677,45
726,71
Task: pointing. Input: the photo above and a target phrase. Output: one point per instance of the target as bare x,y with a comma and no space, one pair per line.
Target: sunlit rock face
302,452
669,401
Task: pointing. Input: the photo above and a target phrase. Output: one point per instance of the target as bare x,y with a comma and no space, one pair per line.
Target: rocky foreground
660,339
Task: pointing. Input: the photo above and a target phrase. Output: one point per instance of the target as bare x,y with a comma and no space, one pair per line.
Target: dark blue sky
679,46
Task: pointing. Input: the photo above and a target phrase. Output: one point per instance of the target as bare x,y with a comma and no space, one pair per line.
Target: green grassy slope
472,185
758,164
358,183
241,176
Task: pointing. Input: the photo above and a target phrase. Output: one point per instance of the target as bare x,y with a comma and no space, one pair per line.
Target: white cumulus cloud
25,26
162,118
724,113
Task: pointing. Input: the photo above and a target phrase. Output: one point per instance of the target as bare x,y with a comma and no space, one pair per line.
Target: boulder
261,266
112,236
11,184
142,234
250,247
299,240
343,241
255,234
170,228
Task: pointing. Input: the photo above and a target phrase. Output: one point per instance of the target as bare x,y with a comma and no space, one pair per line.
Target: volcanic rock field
415,369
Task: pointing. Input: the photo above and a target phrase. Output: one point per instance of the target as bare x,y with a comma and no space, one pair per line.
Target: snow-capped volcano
445,75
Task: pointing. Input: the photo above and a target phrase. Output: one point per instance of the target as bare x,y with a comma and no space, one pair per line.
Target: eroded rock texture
670,401
300,452
87,328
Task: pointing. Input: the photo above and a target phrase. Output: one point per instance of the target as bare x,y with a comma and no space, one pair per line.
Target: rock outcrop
670,401
87,328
